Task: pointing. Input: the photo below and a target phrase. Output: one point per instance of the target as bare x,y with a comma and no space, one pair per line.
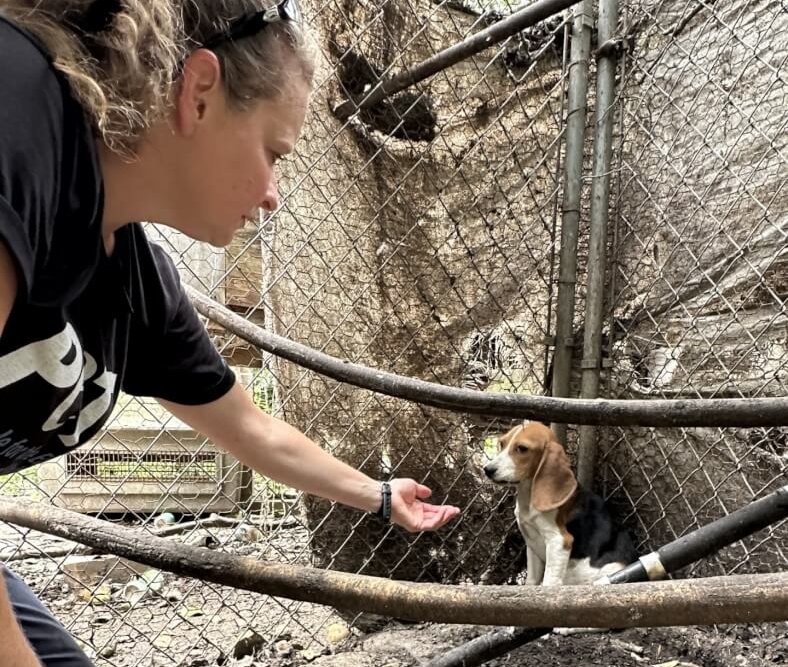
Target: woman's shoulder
27,73
53,202
20,47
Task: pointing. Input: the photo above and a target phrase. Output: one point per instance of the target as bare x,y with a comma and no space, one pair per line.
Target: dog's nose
489,470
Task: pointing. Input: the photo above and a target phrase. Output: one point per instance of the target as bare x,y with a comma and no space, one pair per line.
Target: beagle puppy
569,535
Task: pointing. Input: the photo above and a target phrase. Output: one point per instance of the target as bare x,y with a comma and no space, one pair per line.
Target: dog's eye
522,449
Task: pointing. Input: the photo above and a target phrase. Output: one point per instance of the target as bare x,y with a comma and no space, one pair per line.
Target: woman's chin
221,240
218,237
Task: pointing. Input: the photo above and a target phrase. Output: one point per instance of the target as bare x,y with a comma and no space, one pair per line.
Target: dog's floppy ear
554,482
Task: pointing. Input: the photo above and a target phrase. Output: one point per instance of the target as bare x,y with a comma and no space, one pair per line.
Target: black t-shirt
84,325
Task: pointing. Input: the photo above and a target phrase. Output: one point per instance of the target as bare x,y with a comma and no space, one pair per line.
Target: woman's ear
199,90
554,482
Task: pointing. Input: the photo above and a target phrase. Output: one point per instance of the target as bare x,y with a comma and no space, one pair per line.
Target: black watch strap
385,506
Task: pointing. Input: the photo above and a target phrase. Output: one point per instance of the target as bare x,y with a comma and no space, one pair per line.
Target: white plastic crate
144,461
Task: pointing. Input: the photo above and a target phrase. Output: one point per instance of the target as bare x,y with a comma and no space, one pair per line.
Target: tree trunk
423,248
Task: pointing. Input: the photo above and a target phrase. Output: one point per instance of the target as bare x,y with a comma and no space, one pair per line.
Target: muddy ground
188,623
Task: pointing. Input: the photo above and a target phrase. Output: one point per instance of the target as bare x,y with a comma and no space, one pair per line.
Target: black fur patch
595,535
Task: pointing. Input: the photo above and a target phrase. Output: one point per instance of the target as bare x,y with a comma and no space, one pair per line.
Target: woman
113,112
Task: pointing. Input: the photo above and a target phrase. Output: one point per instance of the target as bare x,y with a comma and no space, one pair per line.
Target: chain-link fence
422,237
701,262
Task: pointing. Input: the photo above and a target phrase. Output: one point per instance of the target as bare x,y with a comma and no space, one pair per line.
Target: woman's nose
270,199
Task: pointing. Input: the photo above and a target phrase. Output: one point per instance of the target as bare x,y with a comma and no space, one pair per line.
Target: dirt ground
187,623
740,646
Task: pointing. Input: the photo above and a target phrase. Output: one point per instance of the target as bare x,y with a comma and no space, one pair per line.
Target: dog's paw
552,582
566,632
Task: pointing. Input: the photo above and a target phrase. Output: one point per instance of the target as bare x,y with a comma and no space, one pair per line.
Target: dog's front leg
557,559
535,567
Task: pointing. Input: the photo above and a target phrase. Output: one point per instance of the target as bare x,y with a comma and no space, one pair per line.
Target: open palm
409,510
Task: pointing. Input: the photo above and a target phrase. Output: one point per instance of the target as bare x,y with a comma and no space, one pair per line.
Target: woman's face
228,157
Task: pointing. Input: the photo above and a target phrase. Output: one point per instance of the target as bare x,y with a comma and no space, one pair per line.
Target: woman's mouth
249,218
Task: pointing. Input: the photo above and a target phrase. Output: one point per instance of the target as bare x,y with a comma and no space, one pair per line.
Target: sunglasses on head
251,24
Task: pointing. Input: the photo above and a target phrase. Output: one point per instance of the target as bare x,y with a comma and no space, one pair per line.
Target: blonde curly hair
123,57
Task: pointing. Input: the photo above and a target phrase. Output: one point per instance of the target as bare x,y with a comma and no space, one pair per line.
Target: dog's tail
626,547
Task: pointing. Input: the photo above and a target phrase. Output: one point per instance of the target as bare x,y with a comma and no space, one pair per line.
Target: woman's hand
409,510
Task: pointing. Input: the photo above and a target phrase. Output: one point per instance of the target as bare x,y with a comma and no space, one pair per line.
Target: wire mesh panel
421,237
701,262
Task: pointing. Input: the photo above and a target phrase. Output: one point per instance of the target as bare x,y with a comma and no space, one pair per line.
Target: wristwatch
385,506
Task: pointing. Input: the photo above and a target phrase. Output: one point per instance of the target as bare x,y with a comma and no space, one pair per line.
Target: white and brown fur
569,535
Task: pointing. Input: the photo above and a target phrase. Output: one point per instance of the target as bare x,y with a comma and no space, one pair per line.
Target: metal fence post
597,251
570,219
